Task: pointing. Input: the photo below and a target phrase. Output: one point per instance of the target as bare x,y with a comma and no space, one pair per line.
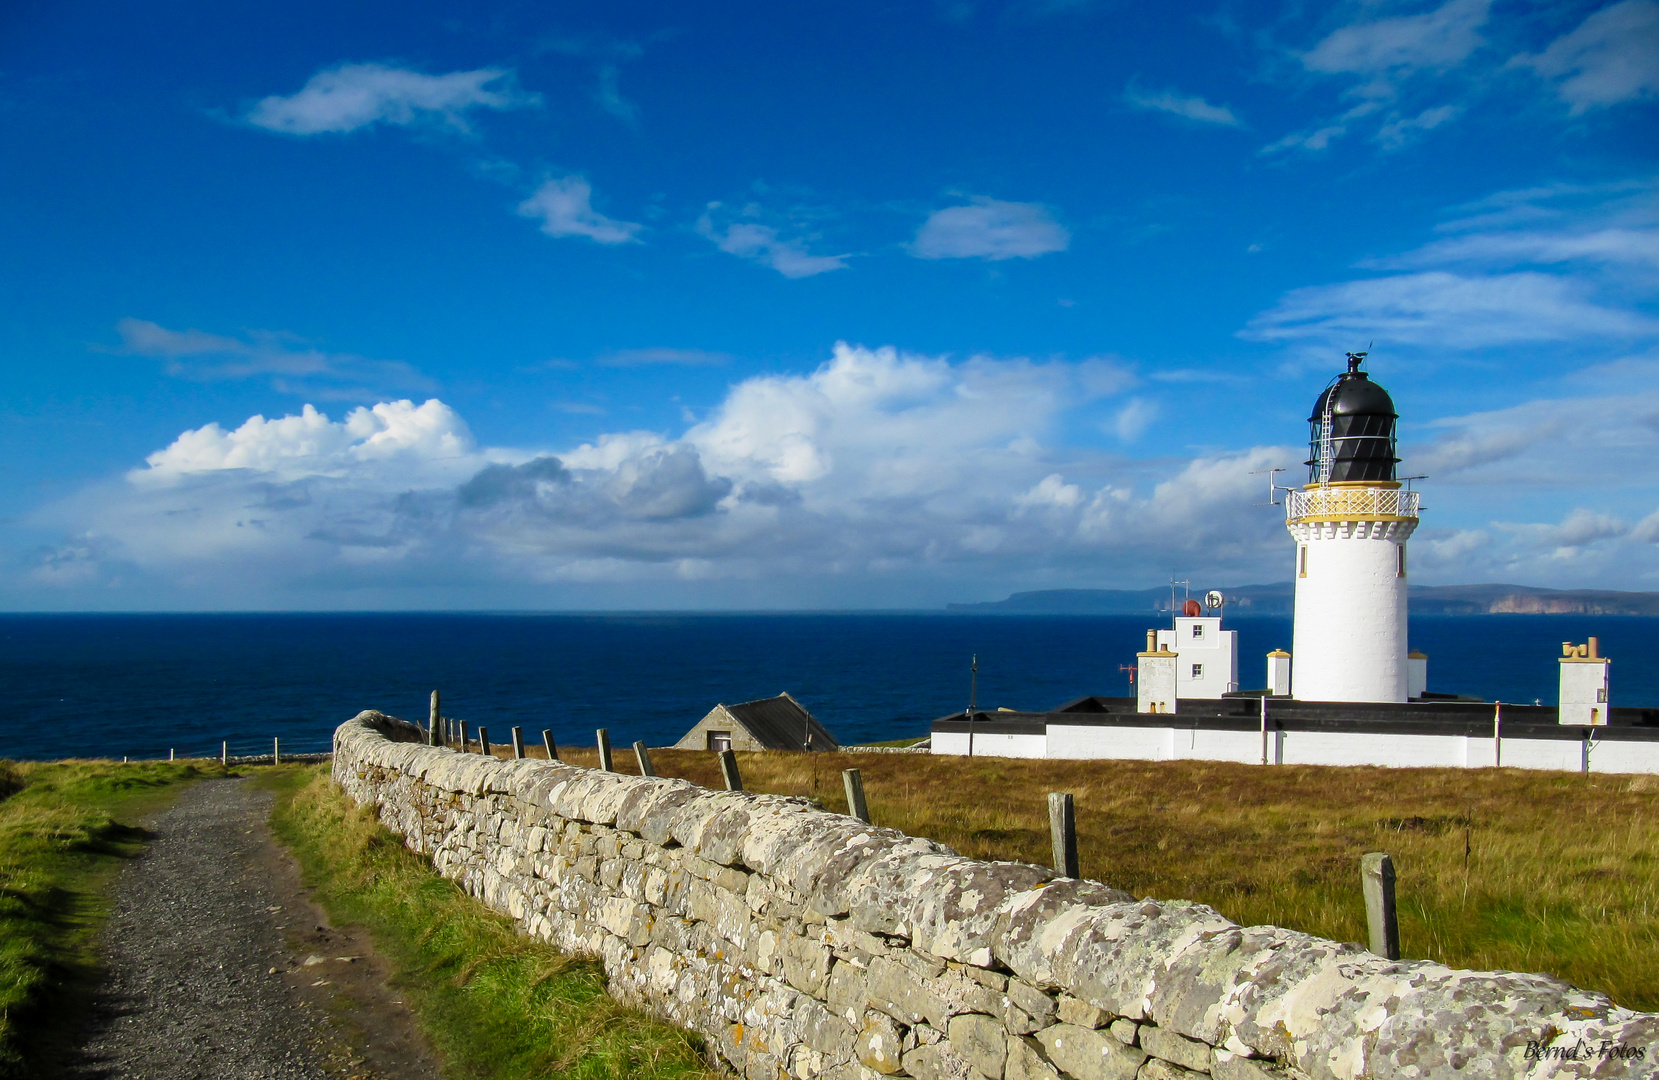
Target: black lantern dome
1351,434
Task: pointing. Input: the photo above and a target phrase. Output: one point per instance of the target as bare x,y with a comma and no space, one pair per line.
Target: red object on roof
1192,609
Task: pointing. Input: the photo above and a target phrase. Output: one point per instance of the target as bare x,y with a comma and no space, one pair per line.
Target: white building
1207,656
1584,684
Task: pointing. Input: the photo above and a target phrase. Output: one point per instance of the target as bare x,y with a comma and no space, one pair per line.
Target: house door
720,740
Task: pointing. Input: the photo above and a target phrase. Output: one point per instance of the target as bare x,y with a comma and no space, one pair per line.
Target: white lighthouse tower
1351,523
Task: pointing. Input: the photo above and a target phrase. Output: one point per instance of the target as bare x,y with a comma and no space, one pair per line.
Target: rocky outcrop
804,943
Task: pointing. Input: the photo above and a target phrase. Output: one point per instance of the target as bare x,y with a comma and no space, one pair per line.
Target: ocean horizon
144,684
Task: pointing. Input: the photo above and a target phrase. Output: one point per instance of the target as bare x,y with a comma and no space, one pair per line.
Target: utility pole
973,702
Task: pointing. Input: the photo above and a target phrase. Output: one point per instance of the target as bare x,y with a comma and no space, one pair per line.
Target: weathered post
169,753
224,753
462,727
518,741
276,751
605,749
433,721
1264,729
728,771
856,806
643,753
1497,735
1377,876
483,740
1062,833
552,747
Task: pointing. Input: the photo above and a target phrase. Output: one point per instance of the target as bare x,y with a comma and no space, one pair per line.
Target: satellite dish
1213,600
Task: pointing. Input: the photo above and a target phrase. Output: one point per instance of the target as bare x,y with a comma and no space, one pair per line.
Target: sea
146,685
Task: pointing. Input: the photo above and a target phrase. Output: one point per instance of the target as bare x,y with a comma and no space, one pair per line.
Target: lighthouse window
1302,561
1198,671
1400,571
1197,631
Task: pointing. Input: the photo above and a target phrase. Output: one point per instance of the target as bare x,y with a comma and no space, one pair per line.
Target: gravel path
220,966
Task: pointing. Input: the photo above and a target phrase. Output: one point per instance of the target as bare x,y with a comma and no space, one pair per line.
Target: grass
495,1004
65,828
1497,868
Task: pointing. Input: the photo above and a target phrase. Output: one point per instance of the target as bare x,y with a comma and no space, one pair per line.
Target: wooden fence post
224,753
170,753
552,747
643,753
276,751
1062,833
728,771
605,749
432,722
518,741
856,806
484,740
462,727
1377,877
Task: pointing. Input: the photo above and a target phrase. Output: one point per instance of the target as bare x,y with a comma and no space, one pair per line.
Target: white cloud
1436,39
1135,418
1612,57
1398,130
989,229
1436,308
766,245
565,207
610,96
1188,107
878,466
353,96
289,363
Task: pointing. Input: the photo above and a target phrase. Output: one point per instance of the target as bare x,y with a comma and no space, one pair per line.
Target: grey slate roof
781,723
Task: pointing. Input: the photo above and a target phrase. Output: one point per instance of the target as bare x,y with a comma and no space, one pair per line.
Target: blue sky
853,305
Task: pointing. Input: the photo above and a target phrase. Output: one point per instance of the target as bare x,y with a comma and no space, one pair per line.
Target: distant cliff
1277,599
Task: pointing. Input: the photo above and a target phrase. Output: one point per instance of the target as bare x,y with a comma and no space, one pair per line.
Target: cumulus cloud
287,362
352,96
765,244
877,466
1188,107
990,229
1612,57
565,207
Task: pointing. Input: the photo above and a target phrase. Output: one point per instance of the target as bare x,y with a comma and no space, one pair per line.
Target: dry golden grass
1561,873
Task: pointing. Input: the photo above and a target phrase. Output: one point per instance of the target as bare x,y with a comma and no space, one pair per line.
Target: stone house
777,723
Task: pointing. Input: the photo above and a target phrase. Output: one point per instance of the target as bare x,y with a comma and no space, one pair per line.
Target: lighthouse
1351,523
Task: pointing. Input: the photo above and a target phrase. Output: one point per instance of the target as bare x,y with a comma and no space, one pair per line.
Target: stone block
896,991
846,992
1188,1053
1126,1032
981,1040
806,965
879,1044
991,980
1026,1061
1036,1004
1071,1010
1159,1069
1088,1054
941,1061
1226,1066
823,1030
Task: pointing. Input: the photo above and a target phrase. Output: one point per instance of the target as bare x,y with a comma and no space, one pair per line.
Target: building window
1198,671
720,740
1400,565
1601,693
1197,630
1302,561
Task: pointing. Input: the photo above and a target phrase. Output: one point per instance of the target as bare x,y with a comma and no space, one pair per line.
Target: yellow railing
1351,502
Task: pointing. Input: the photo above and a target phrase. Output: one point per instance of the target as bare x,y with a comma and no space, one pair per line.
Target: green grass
65,829
495,1004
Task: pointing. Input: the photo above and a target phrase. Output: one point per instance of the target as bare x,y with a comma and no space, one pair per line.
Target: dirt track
220,967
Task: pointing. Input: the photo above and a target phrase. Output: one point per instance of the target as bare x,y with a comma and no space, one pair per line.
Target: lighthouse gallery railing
1351,502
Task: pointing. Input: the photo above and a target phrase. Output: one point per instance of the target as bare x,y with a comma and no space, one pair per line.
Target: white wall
1155,683
985,745
1200,641
1584,691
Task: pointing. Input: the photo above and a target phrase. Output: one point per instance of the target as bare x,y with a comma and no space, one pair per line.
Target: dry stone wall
804,943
